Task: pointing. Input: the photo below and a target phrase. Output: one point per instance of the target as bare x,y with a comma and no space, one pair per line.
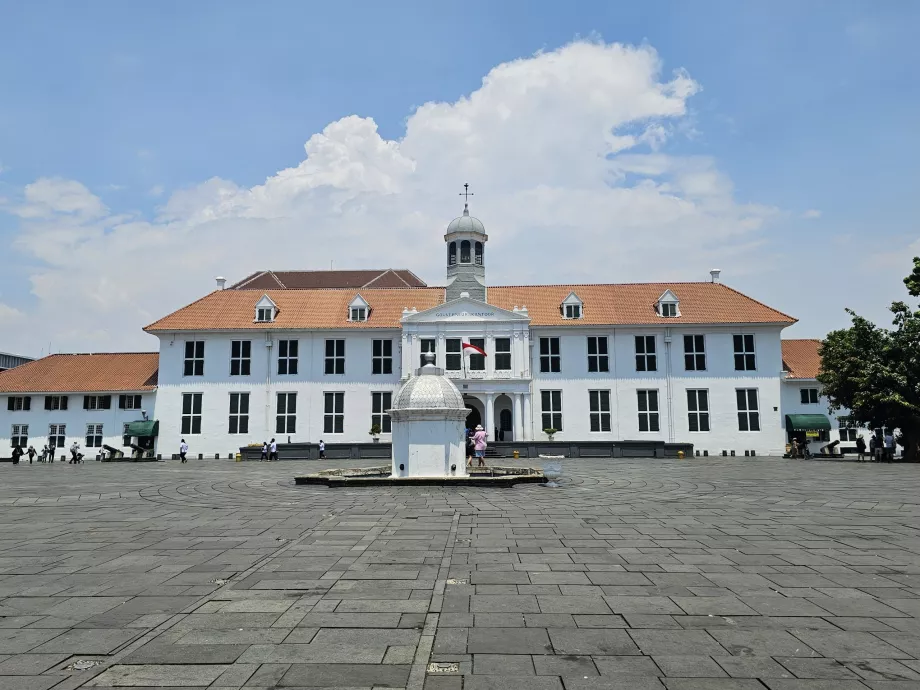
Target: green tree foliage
875,372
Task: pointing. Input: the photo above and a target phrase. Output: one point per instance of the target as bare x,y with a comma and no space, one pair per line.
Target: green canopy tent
143,429
808,422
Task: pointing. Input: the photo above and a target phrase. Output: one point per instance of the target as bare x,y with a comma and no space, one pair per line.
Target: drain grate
83,665
443,668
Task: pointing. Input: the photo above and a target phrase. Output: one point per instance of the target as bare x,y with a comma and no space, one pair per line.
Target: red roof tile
122,371
801,358
325,280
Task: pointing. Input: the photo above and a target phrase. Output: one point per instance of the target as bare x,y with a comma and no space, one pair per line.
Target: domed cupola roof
466,223
429,389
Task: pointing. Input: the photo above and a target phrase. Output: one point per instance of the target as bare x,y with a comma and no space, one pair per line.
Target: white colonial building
304,356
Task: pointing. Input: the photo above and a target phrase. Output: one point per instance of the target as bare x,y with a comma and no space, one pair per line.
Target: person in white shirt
75,453
322,449
183,450
272,451
264,454
889,447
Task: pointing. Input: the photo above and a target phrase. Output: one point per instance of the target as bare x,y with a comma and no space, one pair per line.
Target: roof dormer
358,309
668,306
572,307
266,310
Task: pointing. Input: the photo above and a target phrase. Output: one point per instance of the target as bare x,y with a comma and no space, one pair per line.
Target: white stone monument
428,423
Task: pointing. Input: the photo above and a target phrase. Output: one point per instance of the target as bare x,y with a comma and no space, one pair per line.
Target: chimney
221,282
715,274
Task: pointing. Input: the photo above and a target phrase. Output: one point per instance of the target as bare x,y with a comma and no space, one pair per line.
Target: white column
527,418
518,418
490,415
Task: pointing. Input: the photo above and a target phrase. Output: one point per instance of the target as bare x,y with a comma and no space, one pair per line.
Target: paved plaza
711,573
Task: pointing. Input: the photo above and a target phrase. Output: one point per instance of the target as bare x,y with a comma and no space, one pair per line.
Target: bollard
697,453
733,453
705,453
159,456
516,454
753,454
680,455
201,456
239,457
217,456
724,453
746,453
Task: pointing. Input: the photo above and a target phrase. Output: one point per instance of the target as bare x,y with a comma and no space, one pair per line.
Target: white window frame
56,402
193,365
381,401
698,414
334,364
19,403
646,360
381,362
129,401
357,313
289,361
19,435
503,356
238,420
599,414
192,417
427,345
285,417
477,361
748,416
551,414
748,355
648,413
453,359
809,396
241,358
598,362
333,412
265,314
572,311
696,354
668,310
57,432
94,435
550,361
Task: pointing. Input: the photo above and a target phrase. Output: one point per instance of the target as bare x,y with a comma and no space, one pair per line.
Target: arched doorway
504,418
475,411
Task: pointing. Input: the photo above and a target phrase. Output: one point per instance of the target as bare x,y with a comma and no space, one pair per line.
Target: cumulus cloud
566,151
811,214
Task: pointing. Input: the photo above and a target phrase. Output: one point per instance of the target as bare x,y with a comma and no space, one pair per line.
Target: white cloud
9,316
811,214
566,152
156,190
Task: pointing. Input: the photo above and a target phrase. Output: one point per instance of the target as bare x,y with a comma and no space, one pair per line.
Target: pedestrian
273,451
860,449
17,453
264,455
51,451
46,453
479,441
75,455
794,450
468,440
322,449
873,447
889,447
183,450
32,454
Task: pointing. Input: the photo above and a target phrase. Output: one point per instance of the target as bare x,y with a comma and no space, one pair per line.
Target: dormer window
358,309
572,307
266,310
668,305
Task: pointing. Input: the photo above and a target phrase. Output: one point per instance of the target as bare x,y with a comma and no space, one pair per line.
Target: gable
464,310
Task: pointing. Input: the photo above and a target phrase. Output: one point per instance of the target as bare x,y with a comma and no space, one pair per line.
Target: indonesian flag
469,349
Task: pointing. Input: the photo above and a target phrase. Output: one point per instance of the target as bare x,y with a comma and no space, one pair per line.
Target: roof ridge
801,340
248,279
754,299
277,280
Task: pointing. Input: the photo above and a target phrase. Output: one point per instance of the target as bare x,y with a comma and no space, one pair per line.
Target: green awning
143,428
807,422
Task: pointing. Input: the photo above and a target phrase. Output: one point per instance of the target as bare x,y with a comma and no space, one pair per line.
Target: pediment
266,301
572,299
463,310
358,301
668,296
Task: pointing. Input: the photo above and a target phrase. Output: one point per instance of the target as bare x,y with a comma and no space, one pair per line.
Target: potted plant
375,432
550,433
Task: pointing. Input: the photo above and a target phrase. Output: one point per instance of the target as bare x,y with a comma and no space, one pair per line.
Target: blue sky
801,106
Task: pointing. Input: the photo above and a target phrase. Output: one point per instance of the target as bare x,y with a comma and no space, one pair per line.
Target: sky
146,148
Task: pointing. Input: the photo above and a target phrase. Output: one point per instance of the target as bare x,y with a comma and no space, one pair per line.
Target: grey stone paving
701,574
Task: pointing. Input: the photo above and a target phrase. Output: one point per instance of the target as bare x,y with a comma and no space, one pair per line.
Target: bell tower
466,241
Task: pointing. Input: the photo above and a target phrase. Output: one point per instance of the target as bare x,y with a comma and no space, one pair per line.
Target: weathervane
466,193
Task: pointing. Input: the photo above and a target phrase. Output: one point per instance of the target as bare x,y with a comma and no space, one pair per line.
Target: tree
875,372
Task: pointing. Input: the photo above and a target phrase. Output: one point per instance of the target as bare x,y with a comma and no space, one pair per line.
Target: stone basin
381,476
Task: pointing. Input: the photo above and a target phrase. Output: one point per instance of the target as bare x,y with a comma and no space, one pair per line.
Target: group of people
881,448
47,454
476,446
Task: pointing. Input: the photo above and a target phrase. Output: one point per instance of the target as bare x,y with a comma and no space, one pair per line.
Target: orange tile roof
801,358
630,304
122,371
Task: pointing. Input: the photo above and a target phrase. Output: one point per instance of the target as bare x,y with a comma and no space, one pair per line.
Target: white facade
812,401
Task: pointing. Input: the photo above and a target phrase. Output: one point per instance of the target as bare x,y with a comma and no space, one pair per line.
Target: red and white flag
470,349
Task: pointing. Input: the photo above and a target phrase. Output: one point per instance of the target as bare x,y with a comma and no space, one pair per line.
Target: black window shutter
121,401
27,403
63,402
10,404
48,402
106,402
85,402
137,402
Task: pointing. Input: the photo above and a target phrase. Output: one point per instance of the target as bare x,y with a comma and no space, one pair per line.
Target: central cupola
466,240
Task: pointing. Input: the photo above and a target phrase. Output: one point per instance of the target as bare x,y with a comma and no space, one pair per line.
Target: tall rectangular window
550,361
191,413
194,358
97,402
599,403
382,357
239,413
55,402
745,359
478,361
748,409
698,410
129,402
287,357
125,437
94,436
57,435
694,353
598,359
428,345
19,435
335,357
381,401
334,413
503,354
240,357
646,359
648,410
551,407
286,413
454,359
16,403
849,432
809,396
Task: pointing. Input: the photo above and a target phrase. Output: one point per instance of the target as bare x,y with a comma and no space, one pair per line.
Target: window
848,433
597,353
668,309
648,411
454,356
335,357
428,345
748,414
382,359
465,252
503,354
551,404
698,410
380,403
599,402
94,436
478,250
333,413
478,361
55,402
239,413
97,402
809,396
57,435
694,353
573,311
646,360
452,254
744,353
129,402
19,435
16,403
240,357
549,356
191,413
125,438
357,314
194,358
265,314
286,414
287,357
